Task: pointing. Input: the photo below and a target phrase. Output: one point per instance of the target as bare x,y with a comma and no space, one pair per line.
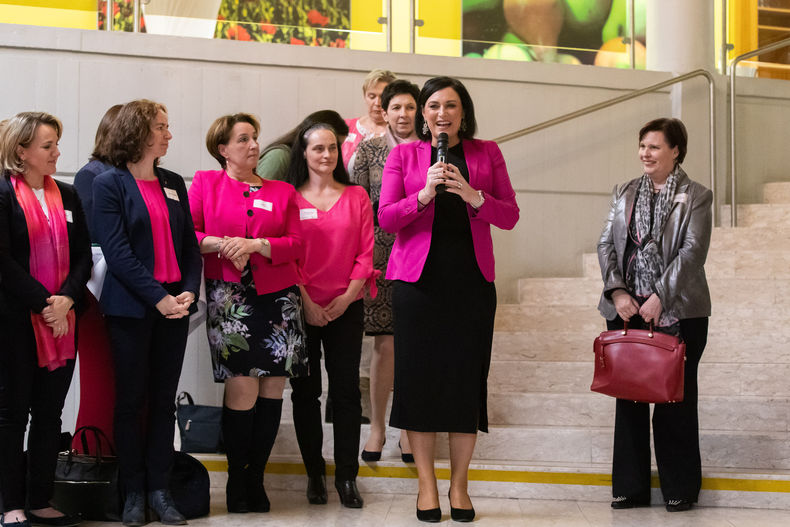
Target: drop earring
463,124
425,129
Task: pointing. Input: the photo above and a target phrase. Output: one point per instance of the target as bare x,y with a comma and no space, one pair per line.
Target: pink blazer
222,206
404,177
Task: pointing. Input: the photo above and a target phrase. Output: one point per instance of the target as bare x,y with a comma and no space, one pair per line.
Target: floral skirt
255,335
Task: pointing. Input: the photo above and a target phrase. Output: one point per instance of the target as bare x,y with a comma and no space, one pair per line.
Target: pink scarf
49,264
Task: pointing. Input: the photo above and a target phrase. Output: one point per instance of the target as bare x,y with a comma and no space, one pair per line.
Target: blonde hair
376,76
20,130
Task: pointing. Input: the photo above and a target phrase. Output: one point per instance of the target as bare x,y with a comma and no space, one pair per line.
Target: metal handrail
733,180
627,97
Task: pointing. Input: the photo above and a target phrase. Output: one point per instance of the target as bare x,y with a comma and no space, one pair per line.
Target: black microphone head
442,140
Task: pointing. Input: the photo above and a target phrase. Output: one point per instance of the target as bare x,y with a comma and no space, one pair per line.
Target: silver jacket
682,288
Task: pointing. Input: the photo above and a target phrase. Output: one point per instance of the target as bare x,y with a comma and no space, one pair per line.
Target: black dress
444,325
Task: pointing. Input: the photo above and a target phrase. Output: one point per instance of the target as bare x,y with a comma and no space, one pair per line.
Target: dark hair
674,134
298,173
330,117
435,84
101,145
398,87
220,130
130,131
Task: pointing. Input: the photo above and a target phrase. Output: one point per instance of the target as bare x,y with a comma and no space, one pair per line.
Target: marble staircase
551,437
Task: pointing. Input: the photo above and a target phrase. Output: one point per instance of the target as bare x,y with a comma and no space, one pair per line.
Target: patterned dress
368,166
255,335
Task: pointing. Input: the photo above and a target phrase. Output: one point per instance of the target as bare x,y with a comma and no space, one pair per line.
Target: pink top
166,268
338,246
222,206
403,178
355,136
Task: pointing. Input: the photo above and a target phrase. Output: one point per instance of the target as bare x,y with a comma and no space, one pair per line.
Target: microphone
441,157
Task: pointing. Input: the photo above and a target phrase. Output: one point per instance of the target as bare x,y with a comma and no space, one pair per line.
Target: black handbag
87,484
200,426
190,486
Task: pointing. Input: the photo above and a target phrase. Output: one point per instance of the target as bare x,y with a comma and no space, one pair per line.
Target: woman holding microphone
441,205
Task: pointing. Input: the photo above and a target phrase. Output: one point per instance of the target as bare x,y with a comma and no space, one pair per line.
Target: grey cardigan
682,288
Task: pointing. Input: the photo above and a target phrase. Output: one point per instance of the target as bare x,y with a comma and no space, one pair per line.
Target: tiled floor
388,510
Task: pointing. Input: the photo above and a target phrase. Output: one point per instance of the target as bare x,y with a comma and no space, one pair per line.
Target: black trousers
342,340
148,355
27,390
675,431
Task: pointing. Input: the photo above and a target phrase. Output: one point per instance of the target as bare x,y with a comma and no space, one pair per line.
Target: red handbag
639,365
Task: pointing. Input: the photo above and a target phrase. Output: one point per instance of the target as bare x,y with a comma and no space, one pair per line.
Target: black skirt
444,326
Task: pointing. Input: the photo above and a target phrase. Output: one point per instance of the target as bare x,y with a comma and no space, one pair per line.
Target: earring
425,128
463,124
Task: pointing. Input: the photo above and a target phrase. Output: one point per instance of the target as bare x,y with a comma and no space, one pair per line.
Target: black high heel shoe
371,455
429,515
406,457
460,515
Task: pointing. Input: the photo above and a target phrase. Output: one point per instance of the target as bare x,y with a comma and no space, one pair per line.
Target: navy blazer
19,292
122,227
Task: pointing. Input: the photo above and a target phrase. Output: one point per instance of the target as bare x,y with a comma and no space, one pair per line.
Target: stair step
766,215
587,291
739,413
776,192
766,489
762,450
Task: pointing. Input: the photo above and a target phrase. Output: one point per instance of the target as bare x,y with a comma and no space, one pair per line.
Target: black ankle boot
316,489
349,494
266,423
237,436
133,509
162,504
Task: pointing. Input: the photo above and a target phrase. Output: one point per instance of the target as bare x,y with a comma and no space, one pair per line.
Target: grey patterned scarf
650,220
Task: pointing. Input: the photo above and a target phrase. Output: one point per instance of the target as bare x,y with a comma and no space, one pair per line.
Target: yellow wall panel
442,18
78,5
42,16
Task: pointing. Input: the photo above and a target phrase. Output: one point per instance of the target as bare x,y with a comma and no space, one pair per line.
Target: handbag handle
182,396
98,434
625,328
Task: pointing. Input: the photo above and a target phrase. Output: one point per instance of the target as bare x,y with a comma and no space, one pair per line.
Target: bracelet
264,243
480,201
218,247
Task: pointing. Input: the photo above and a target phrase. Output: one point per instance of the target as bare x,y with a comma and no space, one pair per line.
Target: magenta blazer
404,177
222,206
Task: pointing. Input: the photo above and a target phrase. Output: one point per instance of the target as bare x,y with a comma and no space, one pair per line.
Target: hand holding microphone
441,157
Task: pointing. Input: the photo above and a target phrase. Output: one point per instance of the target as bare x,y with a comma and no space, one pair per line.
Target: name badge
171,194
308,214
261,204
69,216
681,198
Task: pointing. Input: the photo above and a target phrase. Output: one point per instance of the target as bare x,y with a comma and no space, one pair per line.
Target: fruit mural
561,31
302,22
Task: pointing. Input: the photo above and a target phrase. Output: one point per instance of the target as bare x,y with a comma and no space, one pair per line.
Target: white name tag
171,194
261,204
69,216
681,198
308,214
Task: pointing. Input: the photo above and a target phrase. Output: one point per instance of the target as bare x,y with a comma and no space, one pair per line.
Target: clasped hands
316,315
627,306
56,314
448,175
176,306
238,250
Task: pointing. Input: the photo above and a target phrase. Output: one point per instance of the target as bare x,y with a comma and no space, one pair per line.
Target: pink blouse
166,268
338,246
222,206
